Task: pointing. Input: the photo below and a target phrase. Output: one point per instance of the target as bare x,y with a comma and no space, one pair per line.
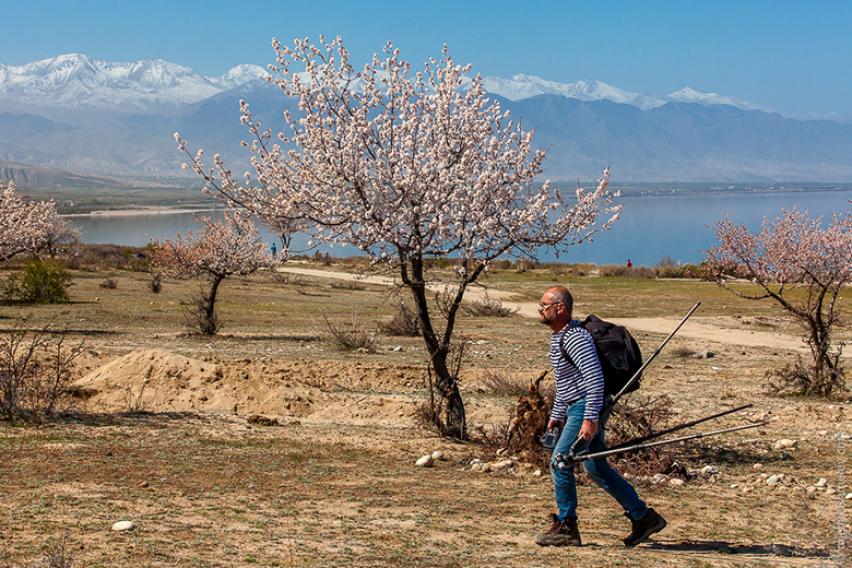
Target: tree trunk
209,325
446,384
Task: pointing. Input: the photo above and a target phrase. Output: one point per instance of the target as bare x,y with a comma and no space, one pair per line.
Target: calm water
678,226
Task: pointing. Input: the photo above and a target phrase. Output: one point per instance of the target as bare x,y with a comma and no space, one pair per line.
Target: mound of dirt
159,381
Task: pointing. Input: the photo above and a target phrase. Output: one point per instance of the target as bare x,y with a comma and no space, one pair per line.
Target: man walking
577,406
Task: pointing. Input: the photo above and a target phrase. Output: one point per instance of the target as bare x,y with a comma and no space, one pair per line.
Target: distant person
577,407
274,250
629,264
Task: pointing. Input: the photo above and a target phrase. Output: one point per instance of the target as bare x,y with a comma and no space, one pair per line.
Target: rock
537,473
396,349
425,461
830,491
677,482
143,484
709,470
784,444
706,354
437,455
811,490
475,461
757,466
660,478
734,485
502,465
476,467
822,482
486,468
848,496
773,480
123,526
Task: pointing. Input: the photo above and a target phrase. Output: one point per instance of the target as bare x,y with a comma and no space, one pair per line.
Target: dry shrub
156,283
487,307
682,352
505,385
639,416
109,284
529,423
35,374
347,285
796,378
403,323
199,320
58,555
352,338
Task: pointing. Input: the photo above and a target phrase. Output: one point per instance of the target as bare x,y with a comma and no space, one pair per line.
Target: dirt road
691,329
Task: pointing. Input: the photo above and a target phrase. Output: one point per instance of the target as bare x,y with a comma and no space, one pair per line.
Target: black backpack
618,353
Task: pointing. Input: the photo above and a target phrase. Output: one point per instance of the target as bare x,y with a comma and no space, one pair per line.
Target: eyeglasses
543,307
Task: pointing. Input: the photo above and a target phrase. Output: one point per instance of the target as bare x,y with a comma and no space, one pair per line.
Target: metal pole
638,373
689,424
636,447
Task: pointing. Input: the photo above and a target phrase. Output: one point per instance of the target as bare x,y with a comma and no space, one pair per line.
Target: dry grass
352,337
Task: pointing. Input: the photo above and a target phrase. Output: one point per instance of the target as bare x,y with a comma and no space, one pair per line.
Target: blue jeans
564,484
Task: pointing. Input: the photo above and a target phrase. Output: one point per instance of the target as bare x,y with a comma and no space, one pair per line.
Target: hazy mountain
95,117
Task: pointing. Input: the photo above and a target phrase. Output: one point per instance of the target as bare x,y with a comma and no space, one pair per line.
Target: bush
35,374
635,417
156,283
353,338
39,282
109,284
609,270
487,307
99,256
404,323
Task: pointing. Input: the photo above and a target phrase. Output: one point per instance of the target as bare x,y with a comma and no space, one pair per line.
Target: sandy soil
266,447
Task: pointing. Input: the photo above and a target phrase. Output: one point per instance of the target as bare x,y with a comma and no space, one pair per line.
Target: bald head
561,295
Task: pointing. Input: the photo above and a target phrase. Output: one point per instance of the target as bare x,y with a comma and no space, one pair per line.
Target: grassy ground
336,484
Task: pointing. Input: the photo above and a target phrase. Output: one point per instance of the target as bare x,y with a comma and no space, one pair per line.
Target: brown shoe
651,523
561,533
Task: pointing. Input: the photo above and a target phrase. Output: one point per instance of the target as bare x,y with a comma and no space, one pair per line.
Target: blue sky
795,57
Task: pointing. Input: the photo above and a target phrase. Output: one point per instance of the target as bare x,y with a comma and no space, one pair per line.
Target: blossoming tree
225,248
30,227
404,166
803,267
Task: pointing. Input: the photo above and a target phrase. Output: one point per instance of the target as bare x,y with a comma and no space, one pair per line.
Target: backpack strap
564,351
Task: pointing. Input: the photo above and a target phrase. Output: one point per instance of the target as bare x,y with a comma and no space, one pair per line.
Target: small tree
801,266
231,246
406,167
30,227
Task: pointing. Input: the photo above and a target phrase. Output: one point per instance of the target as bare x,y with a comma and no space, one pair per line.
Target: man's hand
553,424
588,429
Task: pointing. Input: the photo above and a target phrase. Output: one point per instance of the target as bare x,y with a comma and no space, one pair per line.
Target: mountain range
109,118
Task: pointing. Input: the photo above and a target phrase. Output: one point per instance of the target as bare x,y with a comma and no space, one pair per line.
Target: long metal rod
683,426
636,447
638,373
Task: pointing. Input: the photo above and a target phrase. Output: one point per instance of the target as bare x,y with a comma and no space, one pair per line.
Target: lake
651,226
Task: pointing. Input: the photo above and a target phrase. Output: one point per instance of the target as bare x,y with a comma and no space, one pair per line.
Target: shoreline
138,212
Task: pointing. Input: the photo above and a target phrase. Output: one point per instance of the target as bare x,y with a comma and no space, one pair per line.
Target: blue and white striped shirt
575,382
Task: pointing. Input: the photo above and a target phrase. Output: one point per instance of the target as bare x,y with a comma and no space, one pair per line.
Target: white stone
709,470
773,480
537,473
486,468
757,466
502,465
849,496
830,491
476,467
811,490
822,482
123,526
734,485
676,481
660,478
425,461
475,461
784,444
437,455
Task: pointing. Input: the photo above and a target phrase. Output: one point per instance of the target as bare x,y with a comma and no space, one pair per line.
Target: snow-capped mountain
690,95
77,80
524,86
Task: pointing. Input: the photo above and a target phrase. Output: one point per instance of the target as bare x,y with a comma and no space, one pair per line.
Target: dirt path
691,329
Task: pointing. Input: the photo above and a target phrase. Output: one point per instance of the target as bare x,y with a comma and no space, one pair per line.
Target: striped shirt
575,382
